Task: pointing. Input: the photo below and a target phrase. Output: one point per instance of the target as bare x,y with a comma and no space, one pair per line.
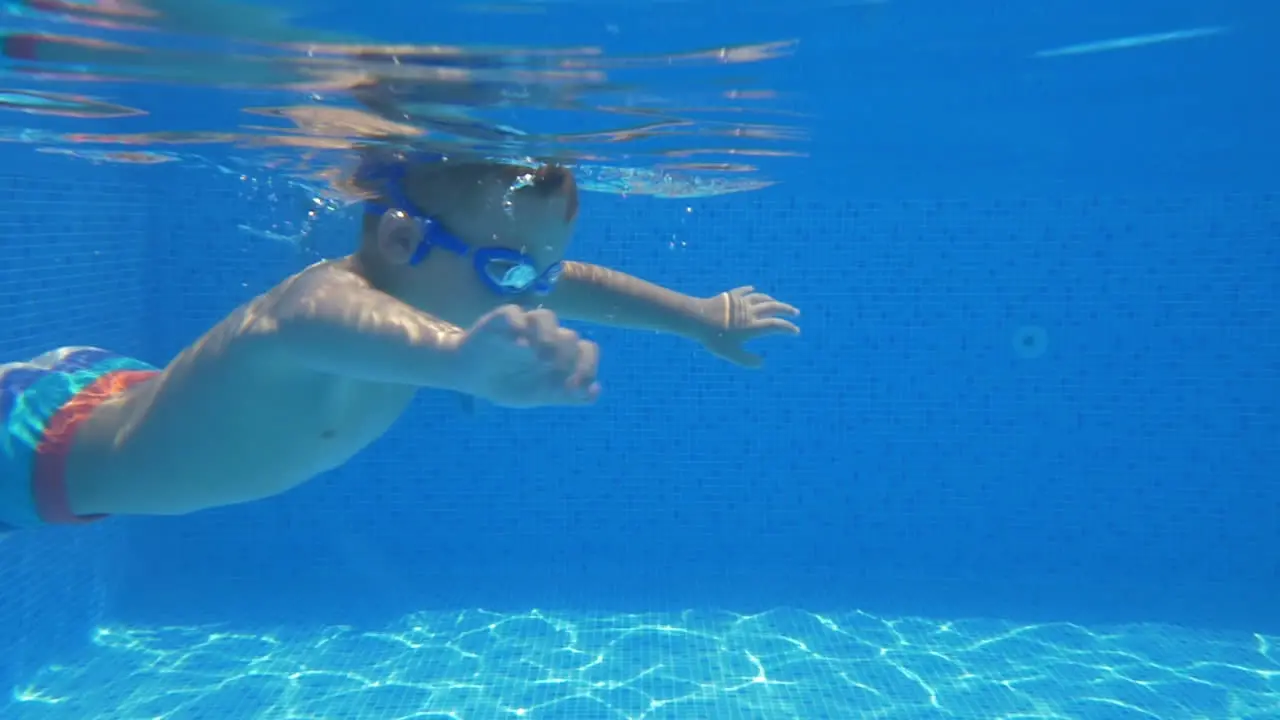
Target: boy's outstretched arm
333,321
722,323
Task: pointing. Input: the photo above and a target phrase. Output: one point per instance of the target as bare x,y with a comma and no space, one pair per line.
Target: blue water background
902,457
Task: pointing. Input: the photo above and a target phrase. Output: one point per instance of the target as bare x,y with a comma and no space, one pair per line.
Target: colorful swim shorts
42,402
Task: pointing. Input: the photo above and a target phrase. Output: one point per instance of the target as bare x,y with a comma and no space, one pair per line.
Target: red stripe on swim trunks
49,474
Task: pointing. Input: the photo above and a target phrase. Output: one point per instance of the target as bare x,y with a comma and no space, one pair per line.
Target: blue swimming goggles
502,270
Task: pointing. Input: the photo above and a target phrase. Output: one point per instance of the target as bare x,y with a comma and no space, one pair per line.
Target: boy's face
489,206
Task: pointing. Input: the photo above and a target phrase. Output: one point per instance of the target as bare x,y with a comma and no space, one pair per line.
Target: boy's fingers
584,374
773,308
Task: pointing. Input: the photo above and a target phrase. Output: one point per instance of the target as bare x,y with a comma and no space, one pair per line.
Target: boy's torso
226,422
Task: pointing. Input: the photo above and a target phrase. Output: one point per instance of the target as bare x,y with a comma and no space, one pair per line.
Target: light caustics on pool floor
478,665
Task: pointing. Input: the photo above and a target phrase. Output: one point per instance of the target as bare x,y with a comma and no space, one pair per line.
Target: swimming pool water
1035,250
694,665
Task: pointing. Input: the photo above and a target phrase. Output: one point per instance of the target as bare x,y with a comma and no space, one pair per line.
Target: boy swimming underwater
301,378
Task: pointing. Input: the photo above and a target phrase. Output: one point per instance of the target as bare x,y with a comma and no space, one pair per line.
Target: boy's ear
398,237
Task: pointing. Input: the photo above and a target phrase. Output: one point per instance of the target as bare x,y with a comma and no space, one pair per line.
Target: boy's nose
558,180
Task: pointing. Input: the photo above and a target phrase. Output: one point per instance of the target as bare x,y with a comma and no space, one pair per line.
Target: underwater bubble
1030,342
285,210
520,181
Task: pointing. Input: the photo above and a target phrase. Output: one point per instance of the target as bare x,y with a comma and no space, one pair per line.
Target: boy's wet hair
364,182
377,164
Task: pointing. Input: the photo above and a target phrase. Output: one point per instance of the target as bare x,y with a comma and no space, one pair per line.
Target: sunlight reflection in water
668,124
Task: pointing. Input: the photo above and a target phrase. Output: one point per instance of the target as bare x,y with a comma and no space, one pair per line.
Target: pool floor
694,665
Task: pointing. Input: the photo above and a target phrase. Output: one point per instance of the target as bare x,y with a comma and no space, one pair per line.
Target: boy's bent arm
599,295
332,321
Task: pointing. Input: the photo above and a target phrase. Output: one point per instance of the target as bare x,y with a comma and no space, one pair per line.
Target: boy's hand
522,359
739,316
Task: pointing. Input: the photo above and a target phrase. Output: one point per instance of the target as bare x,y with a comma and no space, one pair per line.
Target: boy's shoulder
327,279
250,329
